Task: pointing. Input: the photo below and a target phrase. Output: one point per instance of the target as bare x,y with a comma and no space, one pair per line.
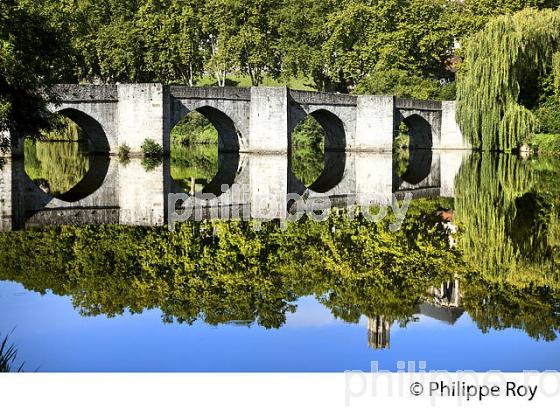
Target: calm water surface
92,279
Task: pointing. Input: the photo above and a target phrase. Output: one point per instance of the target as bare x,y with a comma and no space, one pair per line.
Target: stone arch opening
71,161
412,153
204,152
419,131
227,134
335,137
96,138
316,153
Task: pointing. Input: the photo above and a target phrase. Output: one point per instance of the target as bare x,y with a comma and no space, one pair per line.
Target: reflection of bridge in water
125,193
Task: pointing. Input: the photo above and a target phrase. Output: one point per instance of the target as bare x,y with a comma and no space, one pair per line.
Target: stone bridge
256,119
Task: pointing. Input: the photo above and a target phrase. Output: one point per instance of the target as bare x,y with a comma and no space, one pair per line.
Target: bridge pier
143,113
375,123
12,200
268,120
451,135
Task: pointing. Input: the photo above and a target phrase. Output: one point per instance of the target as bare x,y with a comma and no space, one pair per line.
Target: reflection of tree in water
507,210
194,166
226,271
56,167
60,159
194,152
401,151
308,141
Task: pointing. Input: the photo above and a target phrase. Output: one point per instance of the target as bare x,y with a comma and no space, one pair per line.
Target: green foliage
498,60
508,210
548,115
33,55
307,150
62,129
240,34
546,143
413,36
194,128
194,152
402,84
194,166
222,271
124,152
8,355
151,149
501,305
56,167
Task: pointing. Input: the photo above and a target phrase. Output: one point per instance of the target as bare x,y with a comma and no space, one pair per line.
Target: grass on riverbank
546,143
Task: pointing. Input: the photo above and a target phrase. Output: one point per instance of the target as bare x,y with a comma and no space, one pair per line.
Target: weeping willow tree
498,59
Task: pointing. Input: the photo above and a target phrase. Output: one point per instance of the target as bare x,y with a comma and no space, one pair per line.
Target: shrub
151,149
150,163
124,151
399,83
548,115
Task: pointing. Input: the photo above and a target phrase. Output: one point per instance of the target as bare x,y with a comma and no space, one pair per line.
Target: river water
446,259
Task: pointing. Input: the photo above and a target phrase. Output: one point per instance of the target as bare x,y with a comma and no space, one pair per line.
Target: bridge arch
420,131
333,126
96,136
98,146
230,137
334,158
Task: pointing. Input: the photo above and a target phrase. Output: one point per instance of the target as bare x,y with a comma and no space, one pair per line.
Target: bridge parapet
76,93
210,93
414,104
320,98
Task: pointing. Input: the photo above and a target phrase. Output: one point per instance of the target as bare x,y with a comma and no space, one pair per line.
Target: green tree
241,36
415,36
301,37
473,15
492,80
172,40
32,57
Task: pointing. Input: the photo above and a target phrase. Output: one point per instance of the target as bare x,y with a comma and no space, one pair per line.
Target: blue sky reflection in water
52,336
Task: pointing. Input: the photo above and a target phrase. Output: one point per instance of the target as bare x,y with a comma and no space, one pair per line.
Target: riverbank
546,143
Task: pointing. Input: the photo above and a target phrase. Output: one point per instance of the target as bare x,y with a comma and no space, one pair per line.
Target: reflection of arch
333,172
92,181
334,159
228,170
420,131
228,164
419,167
334,164
97,139
335,136
228,135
